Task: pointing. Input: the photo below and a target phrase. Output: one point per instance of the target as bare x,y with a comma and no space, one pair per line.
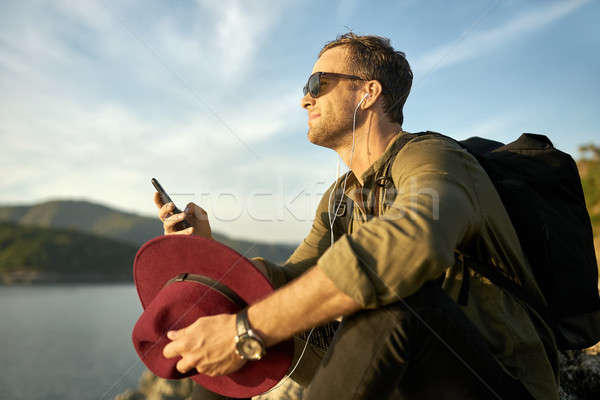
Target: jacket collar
374,169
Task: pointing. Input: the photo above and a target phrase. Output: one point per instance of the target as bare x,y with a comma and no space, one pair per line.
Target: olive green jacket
402,232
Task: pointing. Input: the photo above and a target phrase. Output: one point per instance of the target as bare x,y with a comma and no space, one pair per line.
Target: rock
580,374
288,390
130,394
152,387
579,378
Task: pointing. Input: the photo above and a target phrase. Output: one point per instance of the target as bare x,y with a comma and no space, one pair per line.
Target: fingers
170,220
172,349
195,215
175,349
157,200
184,366
186,231
170,225
165,210
198,218
196,211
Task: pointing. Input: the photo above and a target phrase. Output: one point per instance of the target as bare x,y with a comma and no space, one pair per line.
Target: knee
429,299
407,321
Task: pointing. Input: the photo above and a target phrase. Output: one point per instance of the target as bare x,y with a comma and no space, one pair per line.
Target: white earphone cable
336,209
330,228
295,366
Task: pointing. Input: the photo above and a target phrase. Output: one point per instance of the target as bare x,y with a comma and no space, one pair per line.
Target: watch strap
245,332
241,322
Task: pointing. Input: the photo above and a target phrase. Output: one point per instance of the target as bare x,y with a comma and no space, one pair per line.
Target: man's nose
307,101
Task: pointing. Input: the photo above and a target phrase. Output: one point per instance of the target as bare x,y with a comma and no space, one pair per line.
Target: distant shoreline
34,278
66,283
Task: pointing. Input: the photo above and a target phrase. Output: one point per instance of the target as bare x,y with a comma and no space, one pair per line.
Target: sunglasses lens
314,85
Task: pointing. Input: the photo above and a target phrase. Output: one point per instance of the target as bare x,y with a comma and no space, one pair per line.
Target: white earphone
335,209
331,222
363,99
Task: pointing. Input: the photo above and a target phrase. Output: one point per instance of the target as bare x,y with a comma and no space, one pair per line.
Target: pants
391,353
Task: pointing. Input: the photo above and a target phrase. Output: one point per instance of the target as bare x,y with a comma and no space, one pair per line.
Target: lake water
68,341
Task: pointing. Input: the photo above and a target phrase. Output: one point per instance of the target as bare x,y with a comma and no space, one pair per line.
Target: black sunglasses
313,86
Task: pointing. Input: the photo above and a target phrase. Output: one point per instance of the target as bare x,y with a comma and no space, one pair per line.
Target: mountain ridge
81,241
37,254
101,220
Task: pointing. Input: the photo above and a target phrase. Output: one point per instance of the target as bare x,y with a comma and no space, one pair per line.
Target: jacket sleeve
413,241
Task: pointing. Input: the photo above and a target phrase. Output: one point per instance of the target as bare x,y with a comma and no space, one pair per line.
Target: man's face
330,114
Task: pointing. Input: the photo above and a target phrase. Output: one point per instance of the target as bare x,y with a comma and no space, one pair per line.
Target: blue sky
98,97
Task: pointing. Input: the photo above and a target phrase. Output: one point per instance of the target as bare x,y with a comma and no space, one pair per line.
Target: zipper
376,208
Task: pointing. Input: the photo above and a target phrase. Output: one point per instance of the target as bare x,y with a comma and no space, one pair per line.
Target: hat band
212,284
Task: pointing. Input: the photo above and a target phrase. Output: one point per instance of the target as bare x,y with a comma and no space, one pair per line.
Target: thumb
196,211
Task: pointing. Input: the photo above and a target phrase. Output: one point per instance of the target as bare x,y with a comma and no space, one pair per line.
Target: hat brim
165,257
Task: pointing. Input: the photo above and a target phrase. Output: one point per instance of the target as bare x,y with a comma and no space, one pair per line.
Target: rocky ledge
579,377
580,374
154,388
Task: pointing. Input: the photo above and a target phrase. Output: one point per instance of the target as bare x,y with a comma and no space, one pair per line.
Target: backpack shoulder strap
402,141
498,278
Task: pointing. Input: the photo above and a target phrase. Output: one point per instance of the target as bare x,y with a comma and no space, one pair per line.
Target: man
391,271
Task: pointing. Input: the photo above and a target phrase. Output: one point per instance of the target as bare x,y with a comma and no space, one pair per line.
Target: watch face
250,348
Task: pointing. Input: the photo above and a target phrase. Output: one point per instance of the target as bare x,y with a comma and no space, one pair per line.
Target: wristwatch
248,345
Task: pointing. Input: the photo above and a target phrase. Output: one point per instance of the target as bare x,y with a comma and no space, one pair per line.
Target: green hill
36,254
86,217
126,227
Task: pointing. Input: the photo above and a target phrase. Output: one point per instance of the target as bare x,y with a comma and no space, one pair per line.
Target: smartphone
164,197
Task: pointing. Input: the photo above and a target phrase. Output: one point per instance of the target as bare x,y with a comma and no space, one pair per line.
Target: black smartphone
164,197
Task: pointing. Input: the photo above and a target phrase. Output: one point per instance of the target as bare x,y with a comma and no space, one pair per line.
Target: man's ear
373,91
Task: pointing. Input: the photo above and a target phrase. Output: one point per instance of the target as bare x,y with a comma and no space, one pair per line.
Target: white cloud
240,29
94,14
61,138
257,119
88,110
483,42
220,41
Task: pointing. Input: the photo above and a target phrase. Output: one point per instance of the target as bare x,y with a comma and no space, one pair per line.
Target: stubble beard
331,133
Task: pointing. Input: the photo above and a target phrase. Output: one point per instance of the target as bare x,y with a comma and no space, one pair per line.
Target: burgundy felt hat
180,278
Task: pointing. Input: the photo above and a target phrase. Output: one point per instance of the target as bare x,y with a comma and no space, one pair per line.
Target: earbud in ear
361,101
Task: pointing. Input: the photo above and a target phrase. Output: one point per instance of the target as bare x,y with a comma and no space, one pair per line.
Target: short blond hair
373,58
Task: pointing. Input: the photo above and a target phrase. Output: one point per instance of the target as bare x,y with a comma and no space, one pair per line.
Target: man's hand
193,214
207,345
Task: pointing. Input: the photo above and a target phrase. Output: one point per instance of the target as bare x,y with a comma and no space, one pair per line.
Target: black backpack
541,190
